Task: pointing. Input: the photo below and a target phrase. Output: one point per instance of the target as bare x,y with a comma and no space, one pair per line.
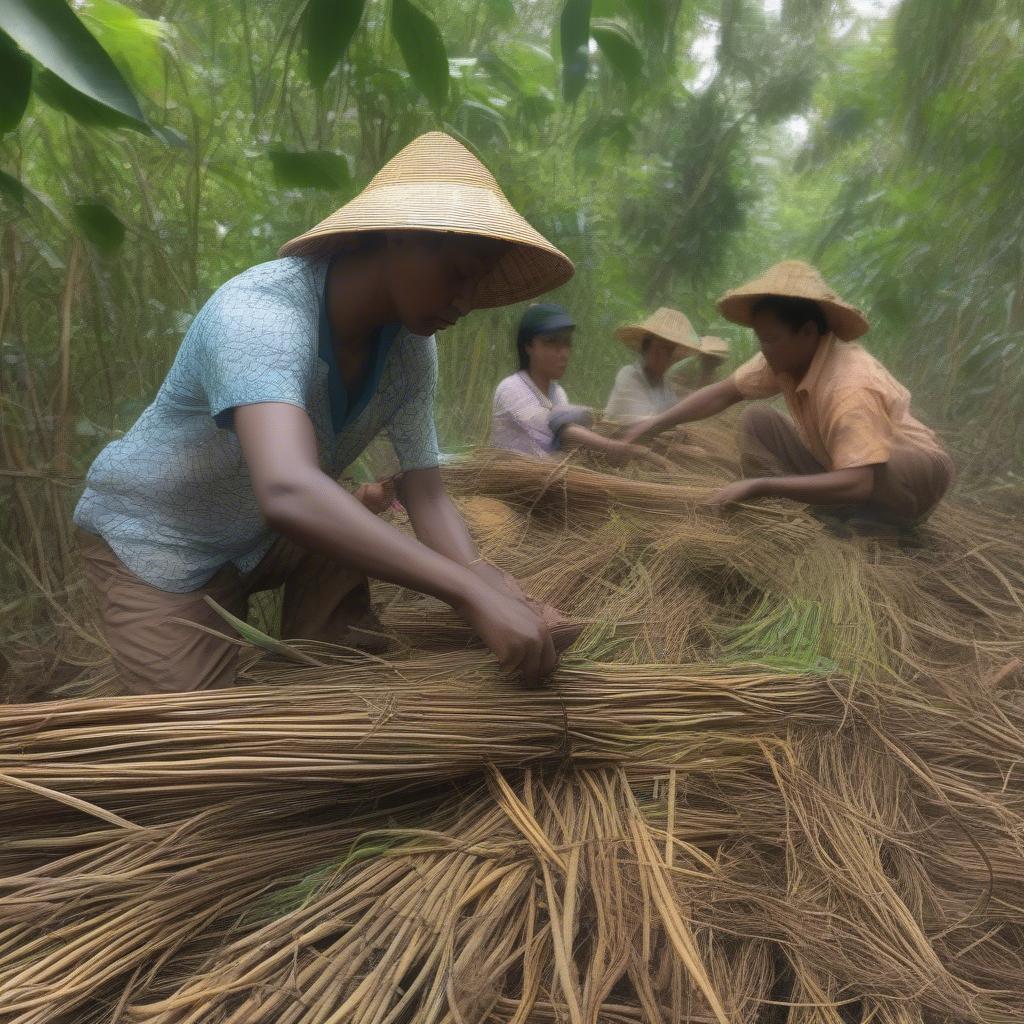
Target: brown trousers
907,487
154,653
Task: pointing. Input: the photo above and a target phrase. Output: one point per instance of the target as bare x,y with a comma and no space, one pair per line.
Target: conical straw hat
666,323
436,184
710,345
798,280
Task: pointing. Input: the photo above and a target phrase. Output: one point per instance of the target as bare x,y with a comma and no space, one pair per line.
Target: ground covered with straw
778,778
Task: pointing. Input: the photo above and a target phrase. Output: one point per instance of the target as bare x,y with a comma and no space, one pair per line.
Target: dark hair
794,313
522,340
540,318
645,343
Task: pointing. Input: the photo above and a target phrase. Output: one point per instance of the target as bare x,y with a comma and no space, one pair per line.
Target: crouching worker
851,441
642,388
226,484
531,413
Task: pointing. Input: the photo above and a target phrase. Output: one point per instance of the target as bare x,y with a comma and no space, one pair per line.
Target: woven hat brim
716,348
632,336
531,267
846,322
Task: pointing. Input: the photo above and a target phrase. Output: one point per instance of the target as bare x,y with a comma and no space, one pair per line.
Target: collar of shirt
532,385
343,409
815,370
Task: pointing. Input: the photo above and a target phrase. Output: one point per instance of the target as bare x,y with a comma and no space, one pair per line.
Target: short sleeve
856,429
627,401
410,426
255,347
755,379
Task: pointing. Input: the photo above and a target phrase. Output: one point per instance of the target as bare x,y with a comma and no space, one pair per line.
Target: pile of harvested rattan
777,779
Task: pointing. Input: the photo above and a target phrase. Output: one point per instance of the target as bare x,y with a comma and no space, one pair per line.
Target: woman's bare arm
302,502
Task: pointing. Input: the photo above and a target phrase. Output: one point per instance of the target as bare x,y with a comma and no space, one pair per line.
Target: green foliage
423,50
11,189
328,27
99,225
54,91
310,169
667,170
620,49
15,84
135,44
574,36
49,32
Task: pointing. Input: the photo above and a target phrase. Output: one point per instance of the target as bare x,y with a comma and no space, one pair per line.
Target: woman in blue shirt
226,484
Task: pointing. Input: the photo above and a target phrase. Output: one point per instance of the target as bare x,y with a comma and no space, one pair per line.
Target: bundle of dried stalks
369,726
667,834
770,578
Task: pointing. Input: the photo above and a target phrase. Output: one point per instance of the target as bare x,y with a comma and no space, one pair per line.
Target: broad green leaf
327,28
15,84
309,169
619,48
11,189
170,136
133,42
423,51
49,31
527,68
574,33
54,91
99,225
531,61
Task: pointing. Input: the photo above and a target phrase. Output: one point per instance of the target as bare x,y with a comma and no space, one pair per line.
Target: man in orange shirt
851,440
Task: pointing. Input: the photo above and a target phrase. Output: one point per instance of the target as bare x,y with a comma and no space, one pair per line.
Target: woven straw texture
436,184
668,324
794,279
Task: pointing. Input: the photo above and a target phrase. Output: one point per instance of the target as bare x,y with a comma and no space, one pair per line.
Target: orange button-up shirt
848,409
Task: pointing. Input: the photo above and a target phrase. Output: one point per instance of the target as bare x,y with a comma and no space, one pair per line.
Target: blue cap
544,318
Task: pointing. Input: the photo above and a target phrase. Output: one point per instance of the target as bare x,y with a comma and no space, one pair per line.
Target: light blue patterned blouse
173,497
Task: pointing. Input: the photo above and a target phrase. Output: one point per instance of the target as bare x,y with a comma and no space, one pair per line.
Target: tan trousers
155,654
907,487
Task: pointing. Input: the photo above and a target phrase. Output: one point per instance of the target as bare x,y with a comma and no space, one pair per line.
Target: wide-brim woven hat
666,323
436,184
797,280
711,345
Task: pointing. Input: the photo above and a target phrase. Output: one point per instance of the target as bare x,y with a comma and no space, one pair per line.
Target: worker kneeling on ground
851,441
226,484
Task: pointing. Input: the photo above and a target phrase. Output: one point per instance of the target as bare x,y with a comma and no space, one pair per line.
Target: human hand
513,631
378,497
732,494
635,431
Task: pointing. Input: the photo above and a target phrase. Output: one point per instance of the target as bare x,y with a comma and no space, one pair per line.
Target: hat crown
667,323
672,320
436,184
797,278
435,157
